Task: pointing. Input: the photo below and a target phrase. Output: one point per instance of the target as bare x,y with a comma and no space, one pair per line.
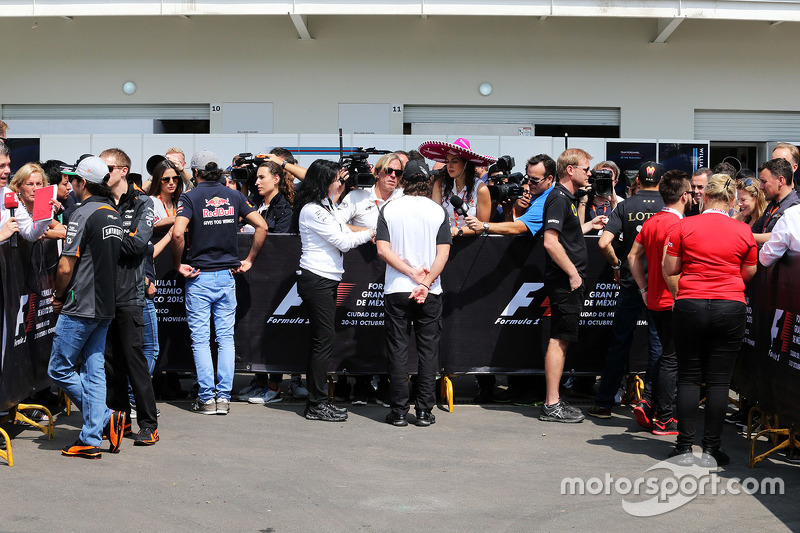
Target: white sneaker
223,406
298,390
268,396
249,392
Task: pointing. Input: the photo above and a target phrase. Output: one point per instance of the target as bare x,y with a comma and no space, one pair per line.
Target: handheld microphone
11,203
458,205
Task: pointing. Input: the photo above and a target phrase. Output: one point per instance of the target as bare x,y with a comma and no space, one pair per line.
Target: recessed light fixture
129,88
485,88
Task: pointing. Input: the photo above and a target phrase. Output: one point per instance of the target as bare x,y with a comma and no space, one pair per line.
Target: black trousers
401,314
125,360
668,366
708,335
319,296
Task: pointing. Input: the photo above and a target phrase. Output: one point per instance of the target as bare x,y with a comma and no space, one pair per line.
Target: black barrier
27,276
495,318
768,368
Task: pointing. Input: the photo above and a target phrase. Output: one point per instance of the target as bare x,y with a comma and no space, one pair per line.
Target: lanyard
769,215
166,209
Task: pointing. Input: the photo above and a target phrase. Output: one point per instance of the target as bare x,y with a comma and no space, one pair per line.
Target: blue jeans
626,313
212,294
80,343
149,339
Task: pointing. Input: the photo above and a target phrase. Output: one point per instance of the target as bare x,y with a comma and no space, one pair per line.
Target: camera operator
603,204
616,243
540,171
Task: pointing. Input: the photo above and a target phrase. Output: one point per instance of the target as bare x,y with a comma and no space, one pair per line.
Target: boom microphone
11,203
458,205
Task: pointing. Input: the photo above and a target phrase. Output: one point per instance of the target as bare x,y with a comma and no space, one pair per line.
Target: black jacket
278,214
136,211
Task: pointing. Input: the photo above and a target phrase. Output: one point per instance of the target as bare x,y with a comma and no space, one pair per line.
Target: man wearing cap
211,212
84,296
565,269
413,238
21,222
616,242
125,360
775,178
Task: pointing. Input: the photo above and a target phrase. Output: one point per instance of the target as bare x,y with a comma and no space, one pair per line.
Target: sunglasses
396,171
167,179
112,167
746,183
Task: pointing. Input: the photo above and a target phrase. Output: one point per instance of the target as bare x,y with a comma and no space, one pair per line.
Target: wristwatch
617,266
643,290
485,228
460,232
283,165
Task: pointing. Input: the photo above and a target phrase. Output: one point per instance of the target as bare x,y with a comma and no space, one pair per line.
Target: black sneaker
424,419
682,455
560,412
670,427
79,449
643,413
600,412
325,412
396,420
145,437
360,397
337,409
713,457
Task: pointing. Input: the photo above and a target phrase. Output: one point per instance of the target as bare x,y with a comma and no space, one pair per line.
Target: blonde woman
750,201
25,182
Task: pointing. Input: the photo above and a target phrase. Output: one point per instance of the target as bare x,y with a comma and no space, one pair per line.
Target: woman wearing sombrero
458,178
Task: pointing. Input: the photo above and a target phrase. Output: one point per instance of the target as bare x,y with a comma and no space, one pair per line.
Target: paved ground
480,468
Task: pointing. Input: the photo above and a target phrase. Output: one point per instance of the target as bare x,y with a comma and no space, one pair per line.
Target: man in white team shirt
413,237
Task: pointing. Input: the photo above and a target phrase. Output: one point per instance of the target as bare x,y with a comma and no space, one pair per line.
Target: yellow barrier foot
782,438
6,454
447,392
21,417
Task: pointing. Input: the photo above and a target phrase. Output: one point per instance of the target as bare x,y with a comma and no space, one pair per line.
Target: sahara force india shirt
213,211
94,236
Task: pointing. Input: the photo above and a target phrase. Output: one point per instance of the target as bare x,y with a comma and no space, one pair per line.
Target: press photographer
600,197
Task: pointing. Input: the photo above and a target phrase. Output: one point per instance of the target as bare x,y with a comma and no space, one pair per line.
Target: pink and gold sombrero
439,150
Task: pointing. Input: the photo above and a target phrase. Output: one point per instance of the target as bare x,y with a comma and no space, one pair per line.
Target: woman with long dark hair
459,178
165,189
324,240
715,256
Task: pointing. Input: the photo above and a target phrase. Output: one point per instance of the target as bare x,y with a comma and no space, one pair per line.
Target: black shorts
565,312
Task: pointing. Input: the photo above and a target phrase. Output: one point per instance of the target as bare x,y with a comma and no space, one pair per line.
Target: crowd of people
681,249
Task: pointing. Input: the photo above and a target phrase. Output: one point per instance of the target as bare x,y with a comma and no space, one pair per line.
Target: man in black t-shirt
211,211
564,272
616,242
84,296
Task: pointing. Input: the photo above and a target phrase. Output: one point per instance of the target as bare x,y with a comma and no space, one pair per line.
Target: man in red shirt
658,294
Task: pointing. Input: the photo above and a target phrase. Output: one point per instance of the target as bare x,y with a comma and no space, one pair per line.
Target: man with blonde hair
178,158
567,259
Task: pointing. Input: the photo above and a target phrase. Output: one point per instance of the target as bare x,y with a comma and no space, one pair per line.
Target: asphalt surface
481,468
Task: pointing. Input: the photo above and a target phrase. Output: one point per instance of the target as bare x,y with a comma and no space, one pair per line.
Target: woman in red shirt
714,255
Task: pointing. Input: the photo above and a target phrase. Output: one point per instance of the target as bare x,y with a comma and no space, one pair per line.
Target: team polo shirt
712,247
413,226
534,216
561,214
94,236
213,211
774,212
360,206
653,236
626,222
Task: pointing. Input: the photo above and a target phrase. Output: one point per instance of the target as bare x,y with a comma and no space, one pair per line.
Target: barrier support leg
330,388
634,389
21,417
7,453
63,399
447,392
773,432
